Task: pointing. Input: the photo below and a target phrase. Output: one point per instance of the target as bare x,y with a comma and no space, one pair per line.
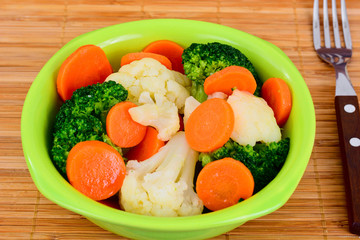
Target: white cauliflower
149,75
163,184
190,104
161,114
182,79
254,119
218,95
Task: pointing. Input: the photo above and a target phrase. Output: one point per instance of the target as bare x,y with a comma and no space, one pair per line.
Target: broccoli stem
197,91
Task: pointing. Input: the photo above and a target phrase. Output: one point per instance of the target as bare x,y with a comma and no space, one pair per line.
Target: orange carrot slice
222,183
121,128
95,169
87,65
169,49
229,78
147,147
130,57
210,125
277,94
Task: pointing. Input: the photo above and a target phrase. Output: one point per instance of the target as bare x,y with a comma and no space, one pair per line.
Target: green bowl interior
42,104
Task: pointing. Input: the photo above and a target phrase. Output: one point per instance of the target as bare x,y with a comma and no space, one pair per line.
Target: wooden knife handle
348,122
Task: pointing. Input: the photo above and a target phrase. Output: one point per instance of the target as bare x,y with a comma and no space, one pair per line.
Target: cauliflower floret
177,94
190,104
182,79
163,184
145,98
254,119
218,95
161,114
149,75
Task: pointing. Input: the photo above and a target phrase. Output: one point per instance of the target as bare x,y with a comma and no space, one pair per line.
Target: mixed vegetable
83,118
202,60
175,132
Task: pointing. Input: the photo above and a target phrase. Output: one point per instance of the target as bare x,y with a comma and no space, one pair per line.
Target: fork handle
348,122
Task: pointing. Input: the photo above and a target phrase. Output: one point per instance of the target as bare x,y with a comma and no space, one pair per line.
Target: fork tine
345,25
326,25
335,25
316,25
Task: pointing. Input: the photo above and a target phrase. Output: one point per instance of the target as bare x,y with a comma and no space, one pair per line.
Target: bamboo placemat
32,31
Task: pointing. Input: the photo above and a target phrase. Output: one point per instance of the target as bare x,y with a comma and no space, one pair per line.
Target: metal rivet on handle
349,108
355,142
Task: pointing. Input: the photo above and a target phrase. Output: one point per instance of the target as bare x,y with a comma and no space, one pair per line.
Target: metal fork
346,103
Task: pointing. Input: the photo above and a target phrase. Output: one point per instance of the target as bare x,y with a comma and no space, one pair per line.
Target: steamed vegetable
277,94
149,146
83,118
159,92
163,184
220,95
210,125
254,119
264,160
121,128
150,76
161,114
202,60
229,78
95,169
190,104
169,49
130,57
87,65
222,183
168,121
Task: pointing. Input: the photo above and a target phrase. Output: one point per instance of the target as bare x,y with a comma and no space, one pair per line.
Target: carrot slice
95,169
87,65
130,57
210,125
169,49
121,128
222,183
229,78
147,147
277,94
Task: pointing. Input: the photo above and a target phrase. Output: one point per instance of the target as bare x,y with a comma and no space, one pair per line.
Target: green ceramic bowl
42,104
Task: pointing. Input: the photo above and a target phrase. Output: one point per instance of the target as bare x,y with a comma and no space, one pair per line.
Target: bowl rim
237,214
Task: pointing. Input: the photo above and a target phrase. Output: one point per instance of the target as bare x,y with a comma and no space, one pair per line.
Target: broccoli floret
82,118
263,160
73,131
202,60
96,100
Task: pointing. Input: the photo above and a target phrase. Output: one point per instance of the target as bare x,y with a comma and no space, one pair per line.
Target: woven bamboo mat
32,31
